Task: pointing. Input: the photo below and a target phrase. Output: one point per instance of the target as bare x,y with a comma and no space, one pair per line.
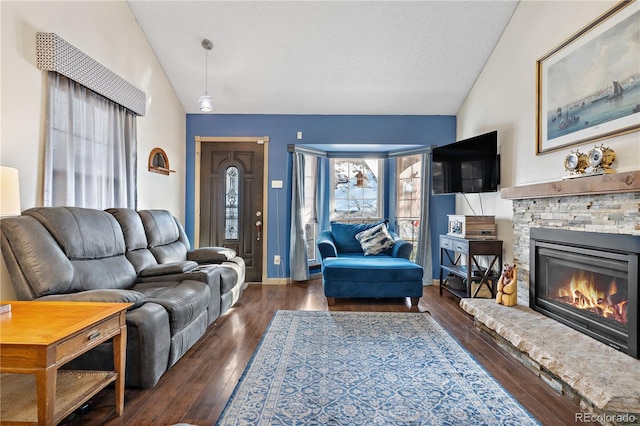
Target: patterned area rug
375,368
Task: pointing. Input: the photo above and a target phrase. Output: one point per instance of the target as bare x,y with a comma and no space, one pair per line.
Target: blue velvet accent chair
348,273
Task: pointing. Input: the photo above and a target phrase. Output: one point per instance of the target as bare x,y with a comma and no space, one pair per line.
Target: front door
231,192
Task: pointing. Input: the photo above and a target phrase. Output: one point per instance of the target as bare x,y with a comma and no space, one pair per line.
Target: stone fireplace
582,235
603,209
588,281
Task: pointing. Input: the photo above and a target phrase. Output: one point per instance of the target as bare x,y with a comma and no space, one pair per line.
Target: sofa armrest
107,295
402,248
326,245
168,269
211,254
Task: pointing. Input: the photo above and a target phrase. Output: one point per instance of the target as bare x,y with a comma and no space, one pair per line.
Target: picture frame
588,87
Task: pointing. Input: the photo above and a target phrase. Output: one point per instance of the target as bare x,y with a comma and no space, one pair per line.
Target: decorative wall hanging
588,88
159,162
55,54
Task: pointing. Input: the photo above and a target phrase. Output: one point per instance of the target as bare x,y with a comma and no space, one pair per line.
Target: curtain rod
306,150
358,154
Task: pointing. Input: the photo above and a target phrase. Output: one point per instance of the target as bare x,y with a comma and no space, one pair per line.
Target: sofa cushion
36,263
132,229
108,272
371,269
165,236
185,301
344,235
92,240
82,234
375,240
135,239
160,227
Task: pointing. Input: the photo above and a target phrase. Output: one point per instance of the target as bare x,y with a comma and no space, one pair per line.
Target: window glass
409,190
310,214
231,202
356,189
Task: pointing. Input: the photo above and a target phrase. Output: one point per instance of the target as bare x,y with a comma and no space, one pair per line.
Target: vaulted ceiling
324,57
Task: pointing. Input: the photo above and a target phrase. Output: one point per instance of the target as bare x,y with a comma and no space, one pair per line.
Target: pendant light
206,102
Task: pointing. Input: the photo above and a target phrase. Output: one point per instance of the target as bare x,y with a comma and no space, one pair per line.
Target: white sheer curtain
90,151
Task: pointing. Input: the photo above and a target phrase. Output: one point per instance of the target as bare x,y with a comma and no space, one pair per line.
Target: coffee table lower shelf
18,402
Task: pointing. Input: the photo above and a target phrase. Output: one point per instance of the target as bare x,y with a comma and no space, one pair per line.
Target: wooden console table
37,338
454,249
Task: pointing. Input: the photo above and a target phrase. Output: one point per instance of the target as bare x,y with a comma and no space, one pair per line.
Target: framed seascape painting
588,88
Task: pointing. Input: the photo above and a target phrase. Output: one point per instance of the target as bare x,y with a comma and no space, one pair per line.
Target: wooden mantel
589,185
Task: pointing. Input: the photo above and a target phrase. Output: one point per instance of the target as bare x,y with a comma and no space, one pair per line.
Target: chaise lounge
367,261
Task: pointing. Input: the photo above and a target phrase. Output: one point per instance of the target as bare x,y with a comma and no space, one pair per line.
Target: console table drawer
88,338
446,243
455,244
461,246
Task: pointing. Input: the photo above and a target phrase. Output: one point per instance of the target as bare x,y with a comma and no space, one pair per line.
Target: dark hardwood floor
196,389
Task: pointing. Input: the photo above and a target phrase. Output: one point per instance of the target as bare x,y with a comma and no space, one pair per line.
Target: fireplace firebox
588,281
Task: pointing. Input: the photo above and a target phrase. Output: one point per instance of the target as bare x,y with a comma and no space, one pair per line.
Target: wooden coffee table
37,338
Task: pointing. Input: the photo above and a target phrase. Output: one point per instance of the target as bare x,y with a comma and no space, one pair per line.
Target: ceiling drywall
324,57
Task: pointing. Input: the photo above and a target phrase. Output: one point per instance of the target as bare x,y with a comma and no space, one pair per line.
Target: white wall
108,33
504,98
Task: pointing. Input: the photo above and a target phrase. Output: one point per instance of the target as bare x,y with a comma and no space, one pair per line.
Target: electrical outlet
276,259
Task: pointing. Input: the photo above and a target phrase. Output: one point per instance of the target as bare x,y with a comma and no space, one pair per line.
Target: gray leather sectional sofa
123,255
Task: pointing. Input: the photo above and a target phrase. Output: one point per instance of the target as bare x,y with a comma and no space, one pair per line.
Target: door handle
259,229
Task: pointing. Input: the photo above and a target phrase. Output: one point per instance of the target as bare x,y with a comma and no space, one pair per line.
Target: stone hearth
602,380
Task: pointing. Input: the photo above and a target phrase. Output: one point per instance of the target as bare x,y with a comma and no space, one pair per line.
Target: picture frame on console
588,87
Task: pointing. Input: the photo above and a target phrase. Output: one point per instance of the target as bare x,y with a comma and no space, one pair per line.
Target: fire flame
581,293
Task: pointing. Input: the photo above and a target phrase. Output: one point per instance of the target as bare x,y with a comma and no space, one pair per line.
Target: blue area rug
374,368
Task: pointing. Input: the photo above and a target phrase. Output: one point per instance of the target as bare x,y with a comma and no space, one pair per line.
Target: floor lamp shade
9,192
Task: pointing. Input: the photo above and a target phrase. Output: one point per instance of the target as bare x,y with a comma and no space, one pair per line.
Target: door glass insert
231,203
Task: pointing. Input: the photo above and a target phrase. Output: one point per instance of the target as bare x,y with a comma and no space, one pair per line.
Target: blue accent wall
317,129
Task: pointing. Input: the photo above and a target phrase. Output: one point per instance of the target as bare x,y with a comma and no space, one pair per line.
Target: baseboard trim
286,280
276,281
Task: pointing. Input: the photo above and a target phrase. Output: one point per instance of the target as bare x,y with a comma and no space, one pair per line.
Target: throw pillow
375,240
344,235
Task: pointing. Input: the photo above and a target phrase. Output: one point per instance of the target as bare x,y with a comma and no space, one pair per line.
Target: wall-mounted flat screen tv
468,166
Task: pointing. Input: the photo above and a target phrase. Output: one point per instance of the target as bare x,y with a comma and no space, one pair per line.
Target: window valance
55,54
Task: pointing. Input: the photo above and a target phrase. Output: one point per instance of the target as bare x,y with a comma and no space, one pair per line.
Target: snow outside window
356,190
